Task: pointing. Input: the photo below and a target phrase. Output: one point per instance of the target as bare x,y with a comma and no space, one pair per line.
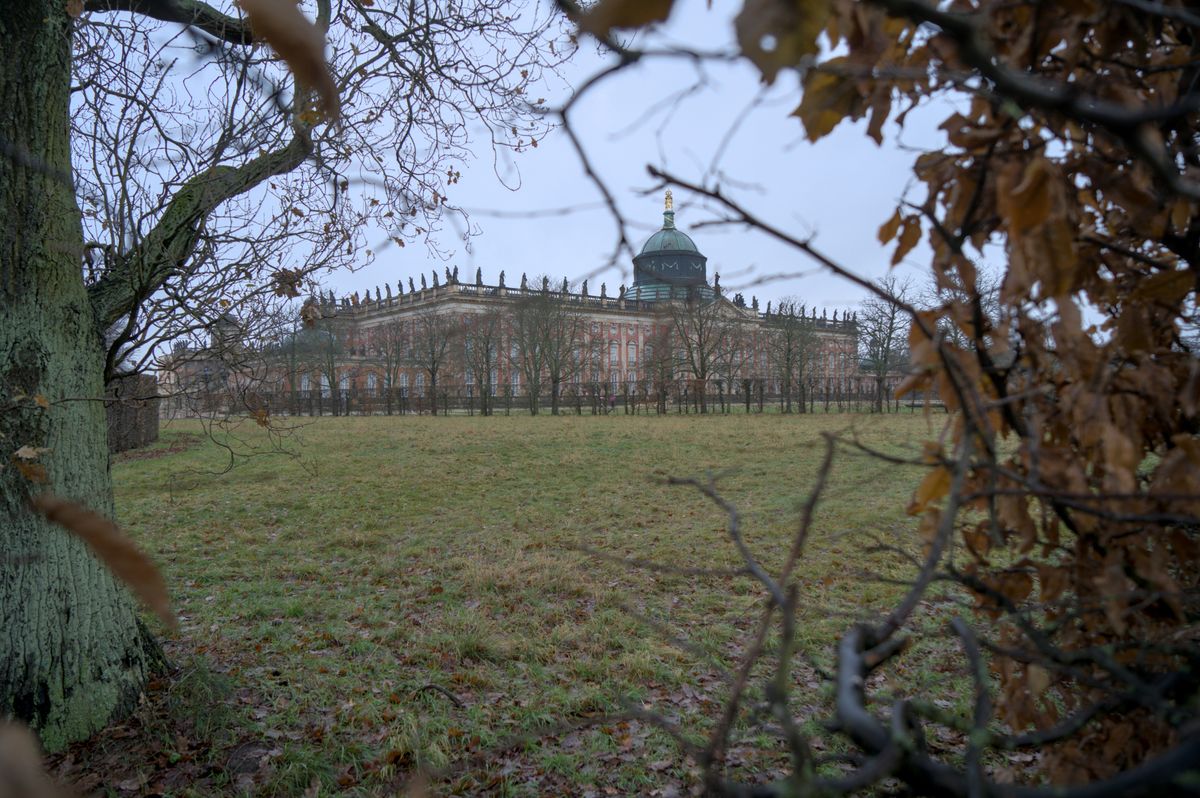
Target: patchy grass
332,590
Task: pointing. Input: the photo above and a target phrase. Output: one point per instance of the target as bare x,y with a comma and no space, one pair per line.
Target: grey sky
840,189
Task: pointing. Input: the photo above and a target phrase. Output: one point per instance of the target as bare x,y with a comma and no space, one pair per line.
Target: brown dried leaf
778,33
913,382
286,282
116,551
34,472
30,452
828,99
887,231
601,18
310,314
1053,581
21,774
1013,513
1014,586
1031,200
978,541
298,42
1170,287
933,487
74,8
1038,680
909,237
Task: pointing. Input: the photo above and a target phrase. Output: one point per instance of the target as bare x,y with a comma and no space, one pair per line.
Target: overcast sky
839,190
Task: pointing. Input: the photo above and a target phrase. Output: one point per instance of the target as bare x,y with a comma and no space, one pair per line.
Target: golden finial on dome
668,203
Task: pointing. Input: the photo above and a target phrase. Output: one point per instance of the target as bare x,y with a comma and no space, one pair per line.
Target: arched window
404,384
614,353
344,383
305,383
326,386
420,382
493,382
372,384
516,382
470,383
631,353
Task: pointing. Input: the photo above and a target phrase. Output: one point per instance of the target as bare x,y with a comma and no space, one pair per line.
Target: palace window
631,353
344,383
420,382
470,381
304,382
614,353
404,384
372,384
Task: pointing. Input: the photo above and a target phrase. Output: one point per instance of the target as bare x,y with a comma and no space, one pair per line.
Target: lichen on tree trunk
72,653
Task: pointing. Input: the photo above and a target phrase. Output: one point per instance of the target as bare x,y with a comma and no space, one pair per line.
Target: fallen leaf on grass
123,558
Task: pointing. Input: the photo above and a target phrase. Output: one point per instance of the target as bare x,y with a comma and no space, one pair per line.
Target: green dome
669,240
668,263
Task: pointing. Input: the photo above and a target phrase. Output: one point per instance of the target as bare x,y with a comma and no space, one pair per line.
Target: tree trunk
73,655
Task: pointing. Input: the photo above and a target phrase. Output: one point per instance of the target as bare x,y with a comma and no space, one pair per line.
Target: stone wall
132,411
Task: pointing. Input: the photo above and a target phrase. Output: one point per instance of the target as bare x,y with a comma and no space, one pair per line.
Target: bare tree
529,353
568,347
959,305
659,363
391,346
702,329
483,337
733,361
434,337
791,344
883,334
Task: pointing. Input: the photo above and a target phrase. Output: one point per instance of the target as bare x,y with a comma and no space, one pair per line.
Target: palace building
374,353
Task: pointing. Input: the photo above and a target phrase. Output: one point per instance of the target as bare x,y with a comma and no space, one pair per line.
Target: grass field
410,592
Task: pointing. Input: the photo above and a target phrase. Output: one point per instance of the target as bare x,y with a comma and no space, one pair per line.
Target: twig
437,688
